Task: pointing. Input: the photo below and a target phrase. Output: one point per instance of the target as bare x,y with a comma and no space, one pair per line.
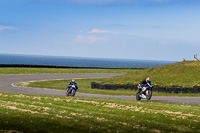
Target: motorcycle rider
143,83
71,83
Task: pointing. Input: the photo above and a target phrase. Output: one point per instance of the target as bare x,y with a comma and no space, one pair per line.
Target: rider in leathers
143,83
71,83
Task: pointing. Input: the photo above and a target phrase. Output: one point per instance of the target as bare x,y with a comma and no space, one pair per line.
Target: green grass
182,74
18,70
32,113
85,87
83,84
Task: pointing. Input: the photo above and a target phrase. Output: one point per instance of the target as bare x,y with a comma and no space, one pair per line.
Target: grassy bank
182,74
18,70
31,113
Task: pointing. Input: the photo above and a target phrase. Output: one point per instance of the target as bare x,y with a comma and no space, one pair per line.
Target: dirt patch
124,123
22,110
36,98
13,106
155,131
84,101
175,113
101,119
73,114
62,112
9,131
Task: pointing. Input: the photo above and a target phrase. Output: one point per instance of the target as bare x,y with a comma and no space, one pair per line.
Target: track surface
6,82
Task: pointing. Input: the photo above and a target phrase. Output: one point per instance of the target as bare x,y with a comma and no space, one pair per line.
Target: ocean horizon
67,61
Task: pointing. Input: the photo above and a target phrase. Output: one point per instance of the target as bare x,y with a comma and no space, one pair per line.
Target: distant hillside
185,73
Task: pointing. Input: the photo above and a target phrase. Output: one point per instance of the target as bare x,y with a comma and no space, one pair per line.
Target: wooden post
195,58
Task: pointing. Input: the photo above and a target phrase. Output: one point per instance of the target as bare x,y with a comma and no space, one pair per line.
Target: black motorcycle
147,94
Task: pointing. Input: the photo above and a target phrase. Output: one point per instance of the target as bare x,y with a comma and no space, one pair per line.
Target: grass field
182,74
32,113
85,87
18,70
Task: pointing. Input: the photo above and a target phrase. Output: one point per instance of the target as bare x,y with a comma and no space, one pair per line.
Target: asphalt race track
6,82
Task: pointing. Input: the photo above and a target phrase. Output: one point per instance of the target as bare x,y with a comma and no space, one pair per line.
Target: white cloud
97,2
83,39
102,31
2,27
94,39
105,2
159,1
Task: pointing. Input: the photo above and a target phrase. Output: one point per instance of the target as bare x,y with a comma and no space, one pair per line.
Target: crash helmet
73,81
148,79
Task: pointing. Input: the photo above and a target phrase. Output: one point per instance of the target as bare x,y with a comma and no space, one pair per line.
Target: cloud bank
104,2
2,27
84,39
102,31
112,1
108,2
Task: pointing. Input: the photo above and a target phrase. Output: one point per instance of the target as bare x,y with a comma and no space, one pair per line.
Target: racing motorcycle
146,94
71,91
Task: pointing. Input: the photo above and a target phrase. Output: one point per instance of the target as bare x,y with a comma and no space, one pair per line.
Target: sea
67,61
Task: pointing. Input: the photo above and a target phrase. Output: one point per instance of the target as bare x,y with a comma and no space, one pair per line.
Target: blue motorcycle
71,91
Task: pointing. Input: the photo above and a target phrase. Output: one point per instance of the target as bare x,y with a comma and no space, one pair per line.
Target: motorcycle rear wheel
67,93
138,96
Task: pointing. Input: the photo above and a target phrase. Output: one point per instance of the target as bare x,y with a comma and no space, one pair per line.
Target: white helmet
73,80
148,79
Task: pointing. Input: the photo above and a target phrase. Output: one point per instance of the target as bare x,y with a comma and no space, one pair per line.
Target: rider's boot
140,92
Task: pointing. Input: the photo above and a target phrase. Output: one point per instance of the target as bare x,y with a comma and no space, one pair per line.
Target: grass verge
32,113
19,70
85,87
181,74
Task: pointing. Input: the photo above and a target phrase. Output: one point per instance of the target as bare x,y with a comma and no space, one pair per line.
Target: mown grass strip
85,87
185,74
19,70
179,74
32,113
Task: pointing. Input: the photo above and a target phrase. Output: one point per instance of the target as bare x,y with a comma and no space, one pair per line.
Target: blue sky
123,29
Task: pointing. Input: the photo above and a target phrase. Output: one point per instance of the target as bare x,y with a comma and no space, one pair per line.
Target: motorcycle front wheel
73,92
148,94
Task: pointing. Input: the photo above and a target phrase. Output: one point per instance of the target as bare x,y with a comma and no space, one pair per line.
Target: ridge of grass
85,87
181,73
185,73
22,70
